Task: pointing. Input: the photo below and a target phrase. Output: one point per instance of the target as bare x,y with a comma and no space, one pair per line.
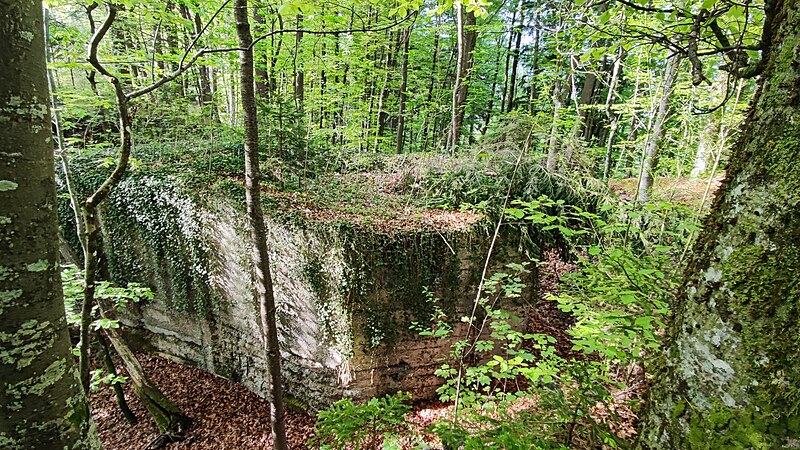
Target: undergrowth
513,389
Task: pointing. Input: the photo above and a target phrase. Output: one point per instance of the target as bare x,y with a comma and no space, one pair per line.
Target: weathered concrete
346,295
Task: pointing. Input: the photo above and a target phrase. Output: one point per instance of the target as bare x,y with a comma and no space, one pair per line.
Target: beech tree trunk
42,404
512,78
732,367
650,160
401,114
258,230
467,36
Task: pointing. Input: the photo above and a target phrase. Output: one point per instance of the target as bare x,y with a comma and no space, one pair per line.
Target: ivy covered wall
347,294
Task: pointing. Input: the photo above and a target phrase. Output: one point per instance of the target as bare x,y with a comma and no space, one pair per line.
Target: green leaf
708,4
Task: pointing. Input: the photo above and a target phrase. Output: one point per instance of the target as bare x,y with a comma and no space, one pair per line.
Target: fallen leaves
224,414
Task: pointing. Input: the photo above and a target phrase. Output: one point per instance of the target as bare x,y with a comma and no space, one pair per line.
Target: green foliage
119,297
153,228
525,393
155,234
371,425
100,377
484,180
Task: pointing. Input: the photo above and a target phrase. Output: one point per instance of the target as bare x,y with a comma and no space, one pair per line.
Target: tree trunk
172,423
261,74
169,418
612,116
41,402
581,113
558,105
429,99
206,96
108,365
383,96
490,104
535,65
711,132
732,368
467,36
650,159
258,232
504,94
512,79
401,114
299,75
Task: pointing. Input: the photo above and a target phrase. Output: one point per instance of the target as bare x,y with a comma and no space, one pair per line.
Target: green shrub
373,425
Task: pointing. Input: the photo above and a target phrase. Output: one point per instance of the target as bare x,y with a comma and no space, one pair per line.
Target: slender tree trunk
108,365
512,79
42,404
401,113
383,96
732,367
553,142
170,420
258,232
467,37
710,133
490,104
613,117
650,160
277,43
262,89
206,96
580,100
172,423
504,94
299,75
429,99
535,65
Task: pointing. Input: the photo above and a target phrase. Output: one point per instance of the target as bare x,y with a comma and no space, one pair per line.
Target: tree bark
429,117
206,96
119,394
612,116
535,65
732,368
42,404
490,104
261,74
258,232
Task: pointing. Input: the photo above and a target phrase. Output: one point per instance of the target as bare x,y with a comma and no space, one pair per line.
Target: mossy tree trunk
258,230
41,402
732,372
